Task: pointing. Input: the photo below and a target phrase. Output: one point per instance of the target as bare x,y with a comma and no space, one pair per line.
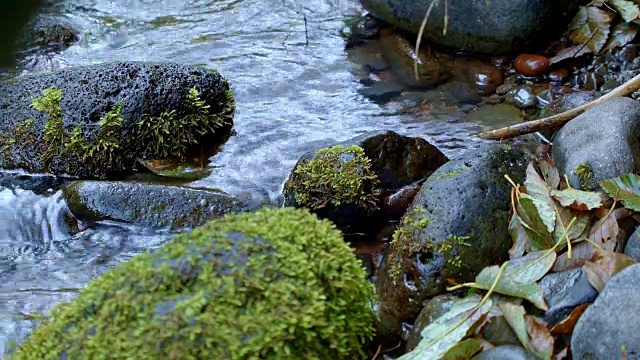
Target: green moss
407,242
274,284
336,175
452,174
172,135
585,175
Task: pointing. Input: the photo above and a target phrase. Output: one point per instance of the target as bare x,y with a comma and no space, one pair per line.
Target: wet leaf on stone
580,254
464,350
590,26
541,340
629,187
449,329
508,286
603,265
627,9
567,325
577,199
621,34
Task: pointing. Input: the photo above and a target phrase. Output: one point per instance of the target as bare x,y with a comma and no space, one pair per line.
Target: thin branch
558,120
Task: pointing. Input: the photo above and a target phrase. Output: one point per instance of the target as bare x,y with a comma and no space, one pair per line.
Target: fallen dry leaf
539,337
567,325
603,265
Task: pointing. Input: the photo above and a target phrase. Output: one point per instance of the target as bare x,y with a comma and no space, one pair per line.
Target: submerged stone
157,206
95,121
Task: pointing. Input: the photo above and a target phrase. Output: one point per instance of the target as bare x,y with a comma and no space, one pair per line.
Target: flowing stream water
296,88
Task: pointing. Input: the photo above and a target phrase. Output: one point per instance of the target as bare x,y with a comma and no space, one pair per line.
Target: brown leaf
590,25
569,53
621,34
580,254
567,325
603,265
604,232
539,337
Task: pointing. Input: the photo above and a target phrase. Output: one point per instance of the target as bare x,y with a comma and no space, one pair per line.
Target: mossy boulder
384,160
336,183
456,226
274,284
95,121
152,205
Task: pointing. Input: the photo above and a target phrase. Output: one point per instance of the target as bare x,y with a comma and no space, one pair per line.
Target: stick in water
558,120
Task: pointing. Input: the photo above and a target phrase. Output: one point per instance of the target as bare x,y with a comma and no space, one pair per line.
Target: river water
296,88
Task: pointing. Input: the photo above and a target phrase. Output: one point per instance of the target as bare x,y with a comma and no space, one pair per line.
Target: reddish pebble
531,65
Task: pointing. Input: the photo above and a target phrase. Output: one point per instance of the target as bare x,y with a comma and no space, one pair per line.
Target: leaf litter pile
554,228
601,25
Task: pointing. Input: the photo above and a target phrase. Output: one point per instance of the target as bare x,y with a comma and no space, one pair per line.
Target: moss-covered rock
153,205
274,284
456,226
336,183
95,121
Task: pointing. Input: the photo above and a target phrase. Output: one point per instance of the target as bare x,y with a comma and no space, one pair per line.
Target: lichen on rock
273,284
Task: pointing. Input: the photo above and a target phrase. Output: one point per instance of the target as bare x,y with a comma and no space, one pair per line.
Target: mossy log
95,121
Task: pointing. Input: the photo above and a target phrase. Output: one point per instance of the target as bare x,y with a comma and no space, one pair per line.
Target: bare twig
420,32
559,120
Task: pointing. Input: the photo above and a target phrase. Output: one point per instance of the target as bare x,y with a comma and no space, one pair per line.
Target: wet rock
505,352
38,184
400,54
399,160
600,144
396,161
632,248
610,324
397,203
483,76
101,118
435,308
570,101
14,17
504,88
559,76
43,37
531,65
564,291
503,26
456,226
590,81
522,97
496,115
245,286
157,206
498,332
